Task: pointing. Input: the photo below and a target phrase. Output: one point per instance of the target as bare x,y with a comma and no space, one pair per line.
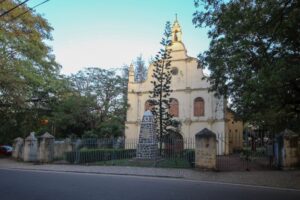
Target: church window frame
174,107
199,107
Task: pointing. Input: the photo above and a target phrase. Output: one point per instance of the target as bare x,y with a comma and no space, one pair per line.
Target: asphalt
272,178
36,185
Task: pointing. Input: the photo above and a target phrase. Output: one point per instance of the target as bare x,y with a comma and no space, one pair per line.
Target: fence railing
243,154
174,153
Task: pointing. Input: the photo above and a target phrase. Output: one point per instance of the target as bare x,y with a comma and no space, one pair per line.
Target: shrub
189,155
94,155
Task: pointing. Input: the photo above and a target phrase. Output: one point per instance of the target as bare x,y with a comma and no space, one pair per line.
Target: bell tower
178,48
176,31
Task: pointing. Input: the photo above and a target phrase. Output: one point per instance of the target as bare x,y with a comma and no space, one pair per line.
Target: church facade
191,103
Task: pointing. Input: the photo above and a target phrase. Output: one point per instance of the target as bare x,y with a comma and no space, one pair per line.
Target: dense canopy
254,58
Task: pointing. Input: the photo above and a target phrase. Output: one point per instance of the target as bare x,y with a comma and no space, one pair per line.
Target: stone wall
46,149
61,147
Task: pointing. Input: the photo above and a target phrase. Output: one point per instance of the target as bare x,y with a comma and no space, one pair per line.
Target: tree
73,115
140,70
26,62
124,84
161,85
29,74
106,87
254,58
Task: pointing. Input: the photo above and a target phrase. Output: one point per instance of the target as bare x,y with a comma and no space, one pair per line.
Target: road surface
43,185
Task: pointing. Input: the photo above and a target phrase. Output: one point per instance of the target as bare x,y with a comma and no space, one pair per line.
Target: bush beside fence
94,155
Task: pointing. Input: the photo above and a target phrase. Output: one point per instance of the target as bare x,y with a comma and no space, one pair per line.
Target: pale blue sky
110,33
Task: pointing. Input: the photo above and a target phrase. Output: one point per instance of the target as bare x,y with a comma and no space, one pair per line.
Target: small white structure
191,103
46,148
206,150
18,148
30,148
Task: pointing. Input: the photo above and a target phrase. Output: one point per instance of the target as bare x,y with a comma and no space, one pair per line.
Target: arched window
148,105
174,107
198,107
176,36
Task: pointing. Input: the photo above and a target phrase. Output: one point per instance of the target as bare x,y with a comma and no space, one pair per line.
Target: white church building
191,104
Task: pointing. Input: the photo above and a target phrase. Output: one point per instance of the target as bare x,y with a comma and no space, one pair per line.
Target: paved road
38,185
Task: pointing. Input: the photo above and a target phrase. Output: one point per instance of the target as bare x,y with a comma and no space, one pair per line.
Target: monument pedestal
147,151
147,148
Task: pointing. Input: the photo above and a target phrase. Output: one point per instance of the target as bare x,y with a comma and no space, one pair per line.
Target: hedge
94,155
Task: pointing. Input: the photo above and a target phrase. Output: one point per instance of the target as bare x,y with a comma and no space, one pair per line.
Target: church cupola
176,31
177,47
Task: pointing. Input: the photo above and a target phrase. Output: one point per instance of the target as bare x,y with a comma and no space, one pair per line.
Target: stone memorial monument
147,148
30,148
46,148
18,148
206,150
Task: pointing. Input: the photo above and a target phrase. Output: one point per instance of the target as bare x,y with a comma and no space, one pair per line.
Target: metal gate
255,152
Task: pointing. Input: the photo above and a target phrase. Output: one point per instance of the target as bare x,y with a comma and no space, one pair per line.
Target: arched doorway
173,144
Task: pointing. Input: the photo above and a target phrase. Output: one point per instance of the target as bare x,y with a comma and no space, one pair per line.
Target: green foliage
94,155
74,114
110,128
29,75
26,62
161,85
105,111
89,134
140,70
123,157
254,58
106,87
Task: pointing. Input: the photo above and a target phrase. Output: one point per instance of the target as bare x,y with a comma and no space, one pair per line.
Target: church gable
190,101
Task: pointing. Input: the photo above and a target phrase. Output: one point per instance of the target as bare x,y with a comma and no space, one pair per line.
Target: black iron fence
236,153
251,151
175,153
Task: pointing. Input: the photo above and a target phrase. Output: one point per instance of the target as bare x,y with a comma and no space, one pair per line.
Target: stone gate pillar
206,150
147,148
30,148
18,148
290,152
46,148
